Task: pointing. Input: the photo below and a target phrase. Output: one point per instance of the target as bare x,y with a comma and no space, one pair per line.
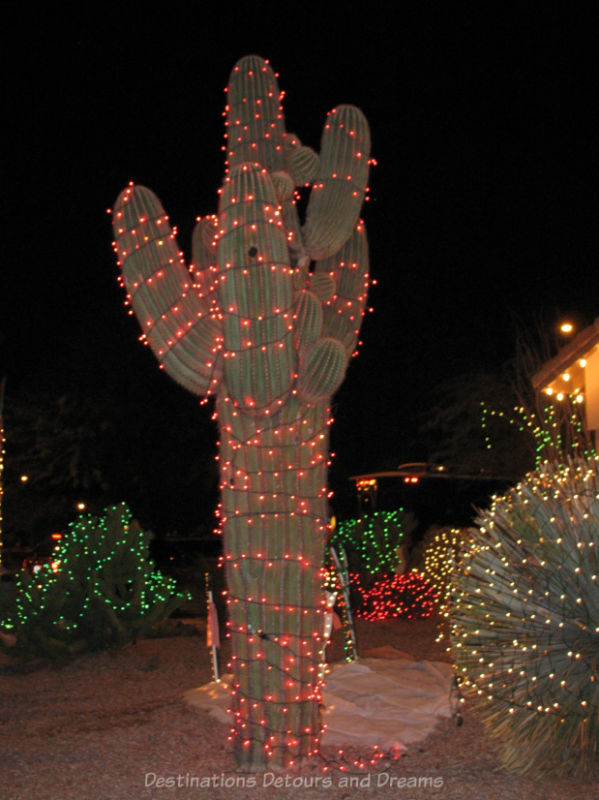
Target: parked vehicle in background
44,553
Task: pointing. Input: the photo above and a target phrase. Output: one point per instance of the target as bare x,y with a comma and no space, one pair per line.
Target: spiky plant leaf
525,623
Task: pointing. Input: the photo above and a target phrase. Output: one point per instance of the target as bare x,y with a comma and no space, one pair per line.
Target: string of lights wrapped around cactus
265,319
525,627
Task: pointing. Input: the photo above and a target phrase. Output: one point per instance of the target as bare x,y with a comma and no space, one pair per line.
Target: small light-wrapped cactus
265,319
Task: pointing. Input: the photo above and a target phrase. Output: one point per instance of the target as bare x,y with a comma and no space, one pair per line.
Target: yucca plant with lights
100,591
265,320
525,621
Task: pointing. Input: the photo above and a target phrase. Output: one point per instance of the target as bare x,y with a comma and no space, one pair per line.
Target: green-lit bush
525,621
375,543
102,591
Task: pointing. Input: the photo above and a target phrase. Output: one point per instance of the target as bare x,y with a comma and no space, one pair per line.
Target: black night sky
483,205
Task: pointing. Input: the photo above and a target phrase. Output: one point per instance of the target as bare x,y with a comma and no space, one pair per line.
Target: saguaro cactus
265,319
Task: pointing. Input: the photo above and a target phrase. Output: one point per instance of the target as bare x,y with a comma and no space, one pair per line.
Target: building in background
574,373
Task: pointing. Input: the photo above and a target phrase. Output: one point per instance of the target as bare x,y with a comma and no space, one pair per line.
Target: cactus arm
182,327
301,162
299,258
203,246
341,281
322,370
329,316
340,184
309,321
254,117
204,265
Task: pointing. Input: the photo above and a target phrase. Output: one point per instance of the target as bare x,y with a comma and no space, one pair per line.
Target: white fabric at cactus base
392,701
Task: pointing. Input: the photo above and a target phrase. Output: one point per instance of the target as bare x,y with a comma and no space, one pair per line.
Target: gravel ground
112,726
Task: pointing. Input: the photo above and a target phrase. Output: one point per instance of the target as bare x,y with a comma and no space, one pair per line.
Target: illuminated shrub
442,549
393,596
525,621
375,543
102,592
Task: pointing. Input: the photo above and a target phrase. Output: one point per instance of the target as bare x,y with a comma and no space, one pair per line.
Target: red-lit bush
393,596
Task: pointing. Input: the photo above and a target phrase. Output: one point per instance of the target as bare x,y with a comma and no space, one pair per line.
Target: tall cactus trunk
274,521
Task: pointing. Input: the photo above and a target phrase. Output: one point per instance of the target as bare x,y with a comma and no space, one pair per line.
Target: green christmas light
103,593
373,541
558,431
